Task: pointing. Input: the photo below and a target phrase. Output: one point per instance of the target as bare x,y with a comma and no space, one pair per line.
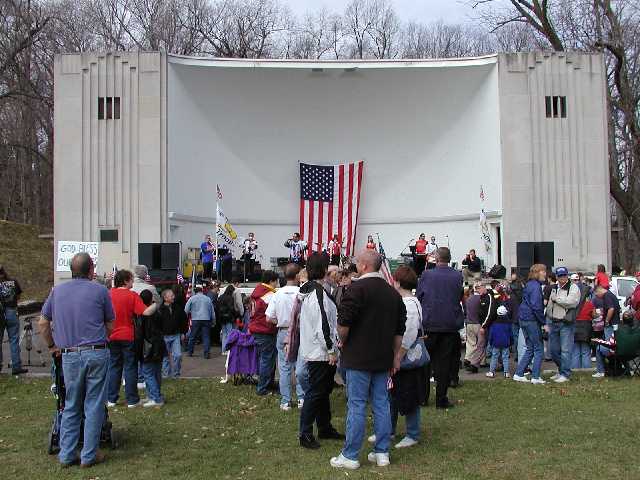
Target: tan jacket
562,300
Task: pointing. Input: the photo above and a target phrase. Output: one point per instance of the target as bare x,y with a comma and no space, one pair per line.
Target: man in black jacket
174,326
371,322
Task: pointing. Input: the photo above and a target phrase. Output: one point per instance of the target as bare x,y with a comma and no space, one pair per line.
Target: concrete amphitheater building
142,139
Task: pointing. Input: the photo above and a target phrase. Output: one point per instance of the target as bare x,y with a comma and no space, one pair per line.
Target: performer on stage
248,253
371,245
335,248
297,248
225,259
207,251
431,253
420,255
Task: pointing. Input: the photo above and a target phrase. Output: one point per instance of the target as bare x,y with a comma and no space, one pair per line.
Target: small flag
385,268
219,192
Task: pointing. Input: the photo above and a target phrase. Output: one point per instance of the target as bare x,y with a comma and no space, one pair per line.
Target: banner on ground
67,249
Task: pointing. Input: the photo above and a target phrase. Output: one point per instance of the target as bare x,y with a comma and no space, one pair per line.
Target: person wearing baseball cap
562,309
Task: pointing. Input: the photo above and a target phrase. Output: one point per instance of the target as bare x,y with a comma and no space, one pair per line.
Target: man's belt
83,348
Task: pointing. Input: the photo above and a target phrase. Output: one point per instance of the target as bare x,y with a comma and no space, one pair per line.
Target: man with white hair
371,323
140,274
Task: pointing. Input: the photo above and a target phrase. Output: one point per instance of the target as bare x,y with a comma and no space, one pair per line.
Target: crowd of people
386,341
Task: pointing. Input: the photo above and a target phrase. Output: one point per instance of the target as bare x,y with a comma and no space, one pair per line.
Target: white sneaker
285,407
406,442
134,405
380,459
597,375
537,381
301,403
343,462
522,379
555,377
141,385
224,380
111,404
561,379
490,374
507,375
372,439
152,403
593,359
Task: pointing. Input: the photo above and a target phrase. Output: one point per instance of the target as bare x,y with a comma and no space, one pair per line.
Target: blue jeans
225,330
581,355
197,327
495,355
123,356
284,370
362,387
85,375
534,349
266,361
13,332
412,421
171,366
152,372
561,345
602,351
515,335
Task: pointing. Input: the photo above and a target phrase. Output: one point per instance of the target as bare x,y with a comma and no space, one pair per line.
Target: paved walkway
192,367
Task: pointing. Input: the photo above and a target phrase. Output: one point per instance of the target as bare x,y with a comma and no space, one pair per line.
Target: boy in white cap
500,341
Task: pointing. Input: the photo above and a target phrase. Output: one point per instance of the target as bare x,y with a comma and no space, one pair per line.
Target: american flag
385,268
329,204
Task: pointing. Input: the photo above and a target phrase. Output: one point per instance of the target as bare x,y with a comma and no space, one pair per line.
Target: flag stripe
302,202
330,222
310,227
350,210
320,225
340,200
360,166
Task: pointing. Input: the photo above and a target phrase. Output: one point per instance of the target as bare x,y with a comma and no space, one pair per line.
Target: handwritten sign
66,251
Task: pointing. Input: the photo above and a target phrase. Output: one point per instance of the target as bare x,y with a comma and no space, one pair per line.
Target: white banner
67,249
225,232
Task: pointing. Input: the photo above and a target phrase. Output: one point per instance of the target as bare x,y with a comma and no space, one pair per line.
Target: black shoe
445,405
207,356
309,441
19,371
455,383
190,354
472,369
331,434
466,363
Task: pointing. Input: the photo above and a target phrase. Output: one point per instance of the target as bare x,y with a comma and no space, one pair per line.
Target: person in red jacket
635,298
264,332
601,277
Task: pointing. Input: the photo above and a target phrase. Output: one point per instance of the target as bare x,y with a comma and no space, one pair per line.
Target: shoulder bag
417,356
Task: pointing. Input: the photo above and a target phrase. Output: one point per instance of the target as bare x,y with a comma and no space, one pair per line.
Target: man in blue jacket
202,317
440,292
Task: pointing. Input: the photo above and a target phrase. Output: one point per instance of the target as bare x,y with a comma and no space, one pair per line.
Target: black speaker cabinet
162,259
529,253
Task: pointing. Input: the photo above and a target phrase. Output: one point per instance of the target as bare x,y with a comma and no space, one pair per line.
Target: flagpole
216,235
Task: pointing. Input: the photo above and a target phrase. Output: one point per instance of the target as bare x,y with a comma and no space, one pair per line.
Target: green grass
27,258
501,430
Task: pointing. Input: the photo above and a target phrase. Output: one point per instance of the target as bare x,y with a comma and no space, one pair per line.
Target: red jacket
260,298
635,301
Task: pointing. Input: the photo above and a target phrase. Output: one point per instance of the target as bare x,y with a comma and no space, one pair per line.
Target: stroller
107,436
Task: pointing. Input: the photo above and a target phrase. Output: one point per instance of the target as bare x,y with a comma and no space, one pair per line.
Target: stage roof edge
330,64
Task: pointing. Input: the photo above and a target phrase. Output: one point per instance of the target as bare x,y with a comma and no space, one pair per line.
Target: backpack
226,308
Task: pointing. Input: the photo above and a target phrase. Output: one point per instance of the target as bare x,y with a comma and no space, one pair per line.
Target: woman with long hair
531,318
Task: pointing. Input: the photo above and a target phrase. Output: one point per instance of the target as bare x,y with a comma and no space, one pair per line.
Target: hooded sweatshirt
260,298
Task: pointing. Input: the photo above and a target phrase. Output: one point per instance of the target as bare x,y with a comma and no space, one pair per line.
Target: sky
424,11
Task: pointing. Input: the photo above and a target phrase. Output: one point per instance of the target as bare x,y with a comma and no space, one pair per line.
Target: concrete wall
556,182
110,174
428,132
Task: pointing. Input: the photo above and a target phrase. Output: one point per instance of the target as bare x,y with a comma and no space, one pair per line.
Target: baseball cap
562,272
575,276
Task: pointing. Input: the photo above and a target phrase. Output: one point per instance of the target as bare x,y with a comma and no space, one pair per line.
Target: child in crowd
500,341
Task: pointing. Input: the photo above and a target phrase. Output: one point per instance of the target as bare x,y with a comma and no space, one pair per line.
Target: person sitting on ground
152,352
174,324
409,385
371,324
279,313
202,319
122,355
319,349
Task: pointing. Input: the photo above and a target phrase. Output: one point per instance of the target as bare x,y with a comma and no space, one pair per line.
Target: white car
623,288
